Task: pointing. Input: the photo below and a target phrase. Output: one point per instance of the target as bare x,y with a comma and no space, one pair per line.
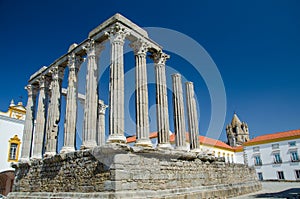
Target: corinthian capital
139,47
117,33
57,73
74,61
160,58
102,108
43,81
31,90
93,48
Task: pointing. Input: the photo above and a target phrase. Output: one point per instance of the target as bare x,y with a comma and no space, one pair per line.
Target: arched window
14,148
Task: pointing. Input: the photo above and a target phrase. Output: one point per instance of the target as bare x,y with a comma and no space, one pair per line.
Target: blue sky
254,44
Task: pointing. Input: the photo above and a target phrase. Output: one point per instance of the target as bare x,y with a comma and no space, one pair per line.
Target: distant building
275,156
208,145
11,130
237,132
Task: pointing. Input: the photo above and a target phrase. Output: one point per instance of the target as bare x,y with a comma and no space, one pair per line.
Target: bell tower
237,131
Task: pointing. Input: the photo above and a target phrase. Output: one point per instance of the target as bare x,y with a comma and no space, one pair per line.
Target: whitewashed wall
9,127
268,168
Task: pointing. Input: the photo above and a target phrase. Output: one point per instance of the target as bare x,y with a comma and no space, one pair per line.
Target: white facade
279,159
11,131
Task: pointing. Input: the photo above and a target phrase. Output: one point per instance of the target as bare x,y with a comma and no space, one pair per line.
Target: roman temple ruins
109,168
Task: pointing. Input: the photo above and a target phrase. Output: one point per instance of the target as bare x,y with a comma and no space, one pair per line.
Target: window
275,146
297,173
280,175
294,156
256,149
260,176
257,161
277,158
293,143
13,150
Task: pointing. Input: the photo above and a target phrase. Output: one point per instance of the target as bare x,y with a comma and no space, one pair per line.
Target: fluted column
53,117
29,123
162,111
192,117
89,138
141,98
178,111
116,36
74,63
101,124
40,125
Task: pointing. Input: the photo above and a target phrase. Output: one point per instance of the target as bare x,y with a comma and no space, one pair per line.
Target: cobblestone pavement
289,190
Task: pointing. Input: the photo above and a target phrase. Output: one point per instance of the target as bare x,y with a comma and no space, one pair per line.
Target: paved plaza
289,190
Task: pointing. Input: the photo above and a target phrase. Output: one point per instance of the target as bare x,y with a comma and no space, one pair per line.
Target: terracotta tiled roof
133,138
203,140
212,142
280,136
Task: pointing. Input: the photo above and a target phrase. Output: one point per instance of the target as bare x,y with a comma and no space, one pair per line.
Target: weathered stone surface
162,111
118,172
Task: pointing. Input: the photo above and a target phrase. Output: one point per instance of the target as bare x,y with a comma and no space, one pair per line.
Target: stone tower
237,132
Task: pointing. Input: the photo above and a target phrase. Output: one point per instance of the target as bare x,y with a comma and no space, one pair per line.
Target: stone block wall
118,171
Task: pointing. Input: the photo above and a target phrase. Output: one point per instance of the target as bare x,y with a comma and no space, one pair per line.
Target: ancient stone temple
109,168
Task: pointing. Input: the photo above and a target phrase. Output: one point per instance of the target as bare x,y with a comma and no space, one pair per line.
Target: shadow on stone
293,193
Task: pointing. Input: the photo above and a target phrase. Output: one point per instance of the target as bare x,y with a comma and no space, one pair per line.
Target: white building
275,156
11,130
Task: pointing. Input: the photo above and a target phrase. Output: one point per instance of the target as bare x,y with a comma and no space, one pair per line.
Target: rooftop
280,136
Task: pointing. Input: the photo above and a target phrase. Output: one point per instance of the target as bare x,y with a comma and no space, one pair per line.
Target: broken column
178,111
192,117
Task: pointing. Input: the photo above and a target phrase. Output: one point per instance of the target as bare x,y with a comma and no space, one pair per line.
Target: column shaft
141,98
161,100
192,117
41,118
89,138
178,109
53,117
29,123
101,124
71,104
116,101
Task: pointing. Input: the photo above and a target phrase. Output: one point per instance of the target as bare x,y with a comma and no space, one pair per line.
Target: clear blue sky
255,45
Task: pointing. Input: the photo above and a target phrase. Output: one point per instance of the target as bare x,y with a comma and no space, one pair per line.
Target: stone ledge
215,191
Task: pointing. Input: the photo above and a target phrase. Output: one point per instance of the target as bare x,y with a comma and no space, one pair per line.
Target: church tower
237,132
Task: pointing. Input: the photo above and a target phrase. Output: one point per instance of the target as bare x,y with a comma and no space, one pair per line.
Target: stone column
192,117
162,111
116,36
29,123
101,124
74,63
53,117
178,109
141,98
89,138
40,125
